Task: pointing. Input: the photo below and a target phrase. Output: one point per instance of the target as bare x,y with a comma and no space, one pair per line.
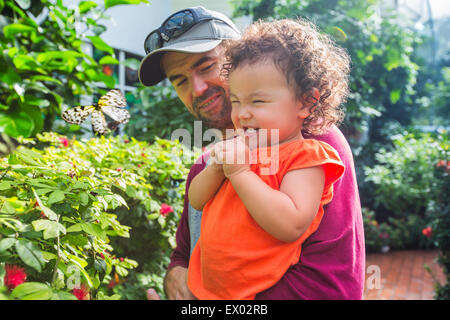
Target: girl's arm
205,185
286,213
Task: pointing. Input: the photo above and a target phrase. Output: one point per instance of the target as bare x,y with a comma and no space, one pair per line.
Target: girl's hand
234,155
214,163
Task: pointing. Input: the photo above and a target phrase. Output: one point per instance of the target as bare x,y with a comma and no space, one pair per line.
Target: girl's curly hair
306,56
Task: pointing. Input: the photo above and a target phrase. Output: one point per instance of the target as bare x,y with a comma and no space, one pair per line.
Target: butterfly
112,104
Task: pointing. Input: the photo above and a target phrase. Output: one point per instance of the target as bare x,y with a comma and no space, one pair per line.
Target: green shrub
404,183
405,177
157,113
43,62
440,226
376,235
59,210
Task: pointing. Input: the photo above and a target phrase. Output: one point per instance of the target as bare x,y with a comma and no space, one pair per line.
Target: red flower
107,70
14,276
119,169
427,232
64,141
384,235
112,284
82,293
126,141
165,209
441,163
143,155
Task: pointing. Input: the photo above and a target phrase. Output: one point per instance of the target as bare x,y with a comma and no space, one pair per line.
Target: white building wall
130,24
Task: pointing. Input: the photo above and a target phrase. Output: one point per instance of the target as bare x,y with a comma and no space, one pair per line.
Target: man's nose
199,86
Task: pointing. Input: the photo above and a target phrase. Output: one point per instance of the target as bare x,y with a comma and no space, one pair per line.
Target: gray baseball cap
205,29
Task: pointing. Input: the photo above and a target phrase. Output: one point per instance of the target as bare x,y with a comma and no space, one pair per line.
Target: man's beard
219,120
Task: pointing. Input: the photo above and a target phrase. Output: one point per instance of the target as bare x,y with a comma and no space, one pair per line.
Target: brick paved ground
400,275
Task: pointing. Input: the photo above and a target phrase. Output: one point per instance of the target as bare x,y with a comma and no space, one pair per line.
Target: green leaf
121,271
6,243
55,196
84,198
24,62
47,211
112,3
51,228
102,296
12,29
107,80
100,44
63,295
16,124
2,273
108,60
85,6
100,266
395,95
94,229
75,228
32,291
5,185
30,254
76,240
81,268
132,63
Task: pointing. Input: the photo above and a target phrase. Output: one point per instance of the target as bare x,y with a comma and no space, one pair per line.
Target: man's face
197,81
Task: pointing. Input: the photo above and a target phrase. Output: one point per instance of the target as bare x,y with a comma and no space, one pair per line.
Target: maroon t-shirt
332,261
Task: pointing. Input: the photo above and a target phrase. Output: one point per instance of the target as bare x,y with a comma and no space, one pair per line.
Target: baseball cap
201,32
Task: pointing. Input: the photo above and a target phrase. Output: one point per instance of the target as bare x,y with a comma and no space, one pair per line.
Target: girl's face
262,99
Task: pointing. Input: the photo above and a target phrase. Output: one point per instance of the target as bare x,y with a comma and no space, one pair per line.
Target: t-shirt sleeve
181,254
315,153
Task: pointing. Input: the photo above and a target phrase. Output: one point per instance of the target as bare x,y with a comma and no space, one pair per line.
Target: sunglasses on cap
174,26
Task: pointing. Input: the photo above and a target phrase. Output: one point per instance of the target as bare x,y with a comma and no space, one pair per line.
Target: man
187,50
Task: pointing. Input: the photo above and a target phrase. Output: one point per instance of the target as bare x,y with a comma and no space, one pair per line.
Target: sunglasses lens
174,27
152,42
179,23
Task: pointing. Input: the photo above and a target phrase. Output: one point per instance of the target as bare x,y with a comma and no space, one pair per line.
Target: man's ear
310,100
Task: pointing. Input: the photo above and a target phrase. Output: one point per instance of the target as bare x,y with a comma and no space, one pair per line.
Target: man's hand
175,284
152,295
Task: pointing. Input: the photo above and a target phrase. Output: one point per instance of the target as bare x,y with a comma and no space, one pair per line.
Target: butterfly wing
118,115
99,124
77,115
113,98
